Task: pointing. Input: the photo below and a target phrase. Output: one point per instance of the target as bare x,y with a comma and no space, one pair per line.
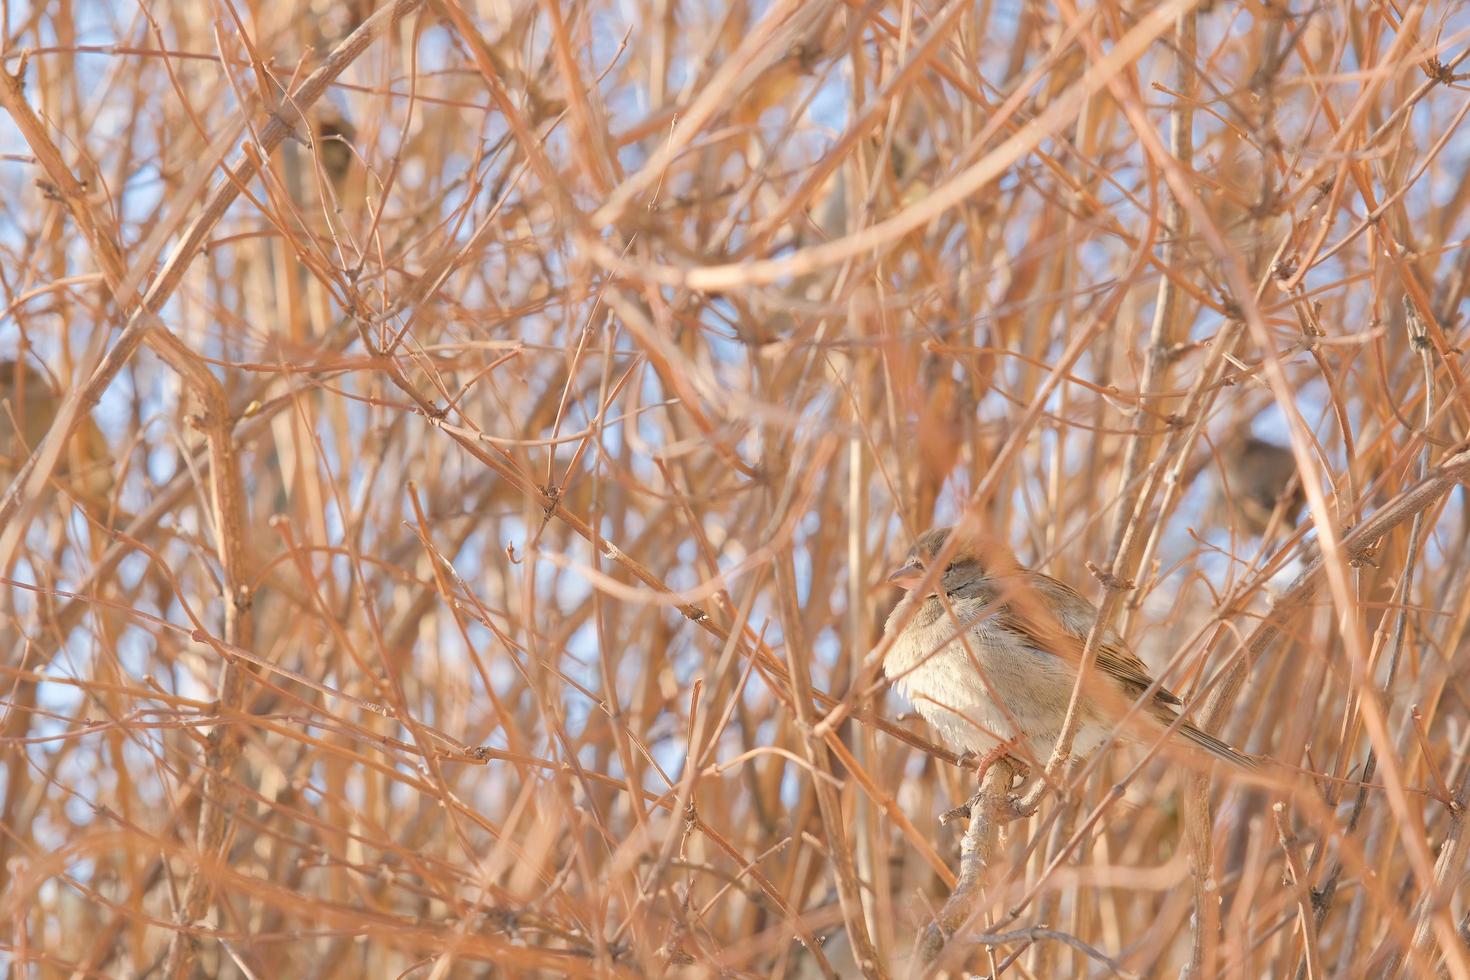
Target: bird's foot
982,763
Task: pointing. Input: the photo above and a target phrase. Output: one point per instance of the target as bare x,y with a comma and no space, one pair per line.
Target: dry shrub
511,410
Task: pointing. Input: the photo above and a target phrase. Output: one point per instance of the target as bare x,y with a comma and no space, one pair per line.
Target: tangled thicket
490,425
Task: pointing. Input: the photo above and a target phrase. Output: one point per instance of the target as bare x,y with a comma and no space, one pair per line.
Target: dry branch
509,411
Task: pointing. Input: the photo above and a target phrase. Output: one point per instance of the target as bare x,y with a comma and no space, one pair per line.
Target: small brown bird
1259,475
335,135
1004,688
28,405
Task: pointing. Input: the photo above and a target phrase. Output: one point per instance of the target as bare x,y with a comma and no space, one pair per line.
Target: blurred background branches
452,454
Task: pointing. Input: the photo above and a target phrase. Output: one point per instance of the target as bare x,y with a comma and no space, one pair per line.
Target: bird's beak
908,576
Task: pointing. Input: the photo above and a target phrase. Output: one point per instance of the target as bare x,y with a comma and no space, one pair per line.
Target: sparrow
28,405
989,659
1260,476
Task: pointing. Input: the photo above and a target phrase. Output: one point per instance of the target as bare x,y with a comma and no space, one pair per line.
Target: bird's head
963,570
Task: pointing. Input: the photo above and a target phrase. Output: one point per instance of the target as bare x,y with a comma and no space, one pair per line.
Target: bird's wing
1066,635
1123,664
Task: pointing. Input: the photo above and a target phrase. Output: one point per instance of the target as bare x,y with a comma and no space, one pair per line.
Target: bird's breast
988,687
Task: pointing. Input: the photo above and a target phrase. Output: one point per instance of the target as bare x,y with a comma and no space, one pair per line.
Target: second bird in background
1257,476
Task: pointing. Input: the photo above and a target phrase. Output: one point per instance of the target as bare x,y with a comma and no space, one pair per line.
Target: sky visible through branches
453,453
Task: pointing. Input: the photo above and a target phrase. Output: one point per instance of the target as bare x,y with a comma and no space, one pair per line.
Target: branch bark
991,807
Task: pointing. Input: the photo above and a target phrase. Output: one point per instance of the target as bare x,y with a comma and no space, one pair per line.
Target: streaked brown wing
1125,665
1066,635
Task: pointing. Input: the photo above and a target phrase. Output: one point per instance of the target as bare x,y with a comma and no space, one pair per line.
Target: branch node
1437,71
552,493
1110,581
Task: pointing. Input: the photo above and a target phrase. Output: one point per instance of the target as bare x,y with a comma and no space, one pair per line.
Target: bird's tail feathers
1217,748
